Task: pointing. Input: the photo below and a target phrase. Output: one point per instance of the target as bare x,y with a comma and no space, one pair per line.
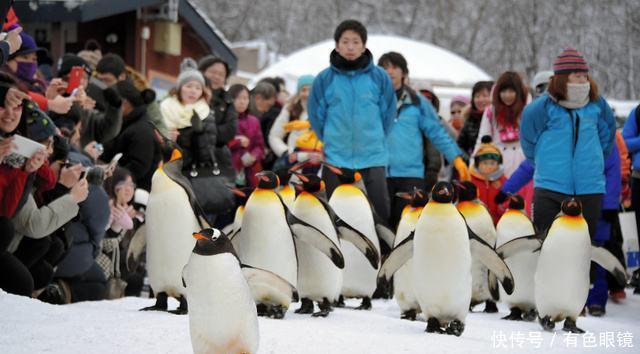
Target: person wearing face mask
568,133
352,108
458,106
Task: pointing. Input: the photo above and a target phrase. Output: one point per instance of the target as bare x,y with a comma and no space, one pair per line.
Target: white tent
428,64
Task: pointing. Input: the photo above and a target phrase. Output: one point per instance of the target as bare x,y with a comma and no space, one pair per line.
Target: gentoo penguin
286,192
403,278
318,278
481,223
222,313
172,212
562,275
266,241
441,248
351,204
514,224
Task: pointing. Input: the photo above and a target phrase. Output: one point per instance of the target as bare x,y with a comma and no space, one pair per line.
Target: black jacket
469,132
140,150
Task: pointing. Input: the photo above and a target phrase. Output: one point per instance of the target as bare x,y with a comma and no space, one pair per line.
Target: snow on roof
426,62
209,22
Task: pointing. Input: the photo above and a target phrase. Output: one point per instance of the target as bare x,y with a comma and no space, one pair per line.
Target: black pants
375,183
614,245
635,202
546,205
15,277
398,185
38,256
89,286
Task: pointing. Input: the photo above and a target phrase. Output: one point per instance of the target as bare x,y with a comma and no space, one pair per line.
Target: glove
610,215
501,197
297,125
461,167
196,123
112,97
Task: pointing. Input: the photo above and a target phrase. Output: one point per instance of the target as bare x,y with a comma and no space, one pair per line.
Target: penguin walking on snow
318,278
515,224
441,248
481,223
265,241
222,316
172,212
562,275
403,279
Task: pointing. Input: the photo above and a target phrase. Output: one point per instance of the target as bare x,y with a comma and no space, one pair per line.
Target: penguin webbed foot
409,315
339,302
183,308
490,307
570,326
547,323
160,305
455,327
325,308
515,315
306,306
262,309
277,312
530,315
366,304
433,326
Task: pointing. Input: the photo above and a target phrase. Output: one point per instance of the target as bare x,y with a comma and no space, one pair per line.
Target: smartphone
26,147
114,162
75,77
83,174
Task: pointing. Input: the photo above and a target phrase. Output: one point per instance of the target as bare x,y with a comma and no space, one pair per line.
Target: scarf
577,96
177,115
343,64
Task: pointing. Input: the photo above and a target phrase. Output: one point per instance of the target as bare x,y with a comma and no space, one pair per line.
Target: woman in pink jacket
247,148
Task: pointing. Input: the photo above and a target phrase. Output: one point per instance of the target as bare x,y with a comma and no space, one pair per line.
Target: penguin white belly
318,277
265,241
562,275
514,224
170,223
442,263
480,222
403,278
352,206
222,313
237,224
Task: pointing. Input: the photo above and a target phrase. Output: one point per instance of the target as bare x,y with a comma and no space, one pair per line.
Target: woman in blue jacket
351,108
631,135
416,119
567,134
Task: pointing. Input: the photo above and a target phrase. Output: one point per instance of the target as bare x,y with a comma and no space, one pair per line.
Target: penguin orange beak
333,169
199,236
262,176
322,186
238,192
298,166
302,177
419,194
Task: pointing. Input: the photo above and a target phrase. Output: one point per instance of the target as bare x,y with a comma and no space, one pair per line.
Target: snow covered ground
30,326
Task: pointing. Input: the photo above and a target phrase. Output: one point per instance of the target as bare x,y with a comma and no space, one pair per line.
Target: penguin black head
212,241
442,192
310,183
466,191
345,175
516,202
284,175
571,206
267,180
417,198
242,195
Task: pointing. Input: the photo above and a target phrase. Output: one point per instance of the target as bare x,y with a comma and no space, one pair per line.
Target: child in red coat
488,176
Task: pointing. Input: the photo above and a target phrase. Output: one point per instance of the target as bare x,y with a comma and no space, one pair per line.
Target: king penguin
441,248
286,192
266,241
514,224
351,204
403,279
318,278
562,275
222,313
481,223
172,212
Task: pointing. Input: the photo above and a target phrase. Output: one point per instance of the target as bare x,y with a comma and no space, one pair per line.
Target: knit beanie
189,72
305,80
92,57
487,151
459,99
39,125
570,61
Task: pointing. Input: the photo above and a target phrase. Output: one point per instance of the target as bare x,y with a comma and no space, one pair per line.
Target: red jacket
12,184
487,191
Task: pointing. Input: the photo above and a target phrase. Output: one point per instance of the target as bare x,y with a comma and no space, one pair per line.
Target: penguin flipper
493,286
609,262
308,233
488,256
235,233
397,258
228,230
385,234
530,243
268,277
362,243
173,170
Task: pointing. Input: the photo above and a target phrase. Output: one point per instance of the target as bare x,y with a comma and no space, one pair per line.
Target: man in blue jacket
351,108
415,118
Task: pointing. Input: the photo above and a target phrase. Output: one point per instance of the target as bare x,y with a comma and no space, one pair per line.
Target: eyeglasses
125,184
